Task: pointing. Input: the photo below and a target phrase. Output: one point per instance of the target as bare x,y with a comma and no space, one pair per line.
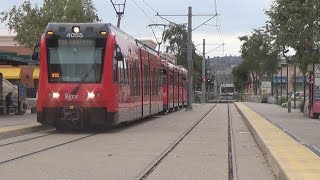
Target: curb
285,162
18,130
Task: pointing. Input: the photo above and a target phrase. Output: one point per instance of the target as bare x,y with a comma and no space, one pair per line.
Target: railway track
49,133
42,149
154,164
232,165
232,170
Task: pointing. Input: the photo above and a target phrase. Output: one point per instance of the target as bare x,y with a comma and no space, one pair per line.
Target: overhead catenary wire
157,13
150,6
215,48
215,15
143,11
204,22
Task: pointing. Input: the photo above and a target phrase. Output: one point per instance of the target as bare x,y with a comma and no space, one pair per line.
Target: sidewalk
303,129
14,125
288,140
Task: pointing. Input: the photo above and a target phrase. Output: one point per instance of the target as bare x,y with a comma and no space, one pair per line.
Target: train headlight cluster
91,95
54,95
76,29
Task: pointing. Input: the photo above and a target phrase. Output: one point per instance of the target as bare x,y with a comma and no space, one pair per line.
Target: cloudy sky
236,18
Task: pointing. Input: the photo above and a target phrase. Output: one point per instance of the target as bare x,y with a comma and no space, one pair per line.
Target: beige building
8,44
276,80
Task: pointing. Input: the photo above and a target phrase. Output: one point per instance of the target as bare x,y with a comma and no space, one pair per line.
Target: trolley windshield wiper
76,89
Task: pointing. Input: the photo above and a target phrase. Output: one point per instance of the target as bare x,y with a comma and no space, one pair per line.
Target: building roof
11,53
16,49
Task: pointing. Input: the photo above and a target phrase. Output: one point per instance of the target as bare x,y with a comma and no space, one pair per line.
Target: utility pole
204,72
190,61
295,85
189,58
281,88
119,8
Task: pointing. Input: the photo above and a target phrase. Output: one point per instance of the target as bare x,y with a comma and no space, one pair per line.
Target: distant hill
226,60
221,68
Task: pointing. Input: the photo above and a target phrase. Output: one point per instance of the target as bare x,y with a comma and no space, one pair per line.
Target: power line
143,11
215,6
171,22
215,48
150,7
187,15
205,22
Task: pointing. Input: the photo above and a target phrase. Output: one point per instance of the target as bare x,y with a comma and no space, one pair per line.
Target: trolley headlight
54,95
76,29
91,95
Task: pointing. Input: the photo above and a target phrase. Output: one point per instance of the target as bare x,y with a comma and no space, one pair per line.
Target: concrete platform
15,125
288,158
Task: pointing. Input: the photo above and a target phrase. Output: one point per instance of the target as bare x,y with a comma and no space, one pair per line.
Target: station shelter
20,69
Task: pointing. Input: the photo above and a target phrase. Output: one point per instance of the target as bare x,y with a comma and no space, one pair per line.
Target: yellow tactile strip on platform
288,158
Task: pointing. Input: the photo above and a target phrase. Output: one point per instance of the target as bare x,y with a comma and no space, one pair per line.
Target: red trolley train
94,74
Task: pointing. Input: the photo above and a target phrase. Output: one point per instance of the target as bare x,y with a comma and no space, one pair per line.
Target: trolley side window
146,78
115,66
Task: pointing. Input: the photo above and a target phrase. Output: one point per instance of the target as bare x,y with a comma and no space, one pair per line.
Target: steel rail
153,165
28,139
48,148
232,164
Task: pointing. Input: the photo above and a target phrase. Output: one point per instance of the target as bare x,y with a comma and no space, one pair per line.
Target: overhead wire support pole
189,57
204,72
190,61
119,8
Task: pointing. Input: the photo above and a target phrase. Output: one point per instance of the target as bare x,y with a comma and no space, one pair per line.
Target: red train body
93,74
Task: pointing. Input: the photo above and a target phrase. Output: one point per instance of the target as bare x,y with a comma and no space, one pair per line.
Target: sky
235,18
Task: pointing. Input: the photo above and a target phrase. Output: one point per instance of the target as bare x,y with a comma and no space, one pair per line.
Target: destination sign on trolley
76,42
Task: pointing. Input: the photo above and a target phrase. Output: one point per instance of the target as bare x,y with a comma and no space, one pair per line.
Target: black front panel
86,30
88,116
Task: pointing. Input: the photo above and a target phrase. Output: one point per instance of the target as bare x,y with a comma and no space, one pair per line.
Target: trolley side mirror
119,55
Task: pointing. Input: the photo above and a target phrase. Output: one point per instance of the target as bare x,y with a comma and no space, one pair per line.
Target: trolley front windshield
74,60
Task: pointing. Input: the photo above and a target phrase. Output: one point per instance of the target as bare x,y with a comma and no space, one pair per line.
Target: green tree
260,56
295,24
29,21
176,39
241,75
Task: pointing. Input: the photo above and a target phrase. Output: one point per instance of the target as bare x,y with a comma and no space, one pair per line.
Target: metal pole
204,72
272,85
119,8
287,82
119,19
281,87
295,86
190,62
277,86
289,103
